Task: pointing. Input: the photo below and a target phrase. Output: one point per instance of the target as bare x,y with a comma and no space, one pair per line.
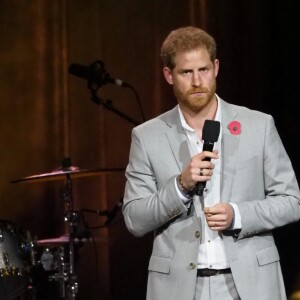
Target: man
217,244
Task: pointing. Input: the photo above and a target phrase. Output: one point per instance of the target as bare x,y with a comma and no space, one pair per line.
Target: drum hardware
49,275
71,217
62,271
14,261
60,266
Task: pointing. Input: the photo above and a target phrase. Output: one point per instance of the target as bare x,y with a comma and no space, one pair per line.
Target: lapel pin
234,127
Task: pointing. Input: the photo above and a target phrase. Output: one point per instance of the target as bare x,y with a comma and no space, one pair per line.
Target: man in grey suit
216,244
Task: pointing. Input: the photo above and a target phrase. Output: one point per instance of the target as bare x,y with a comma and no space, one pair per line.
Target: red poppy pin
234,127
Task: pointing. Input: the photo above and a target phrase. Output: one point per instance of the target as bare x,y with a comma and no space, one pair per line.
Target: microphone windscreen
211,130
79,70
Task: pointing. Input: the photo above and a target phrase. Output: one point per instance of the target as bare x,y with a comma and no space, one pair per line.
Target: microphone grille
211,130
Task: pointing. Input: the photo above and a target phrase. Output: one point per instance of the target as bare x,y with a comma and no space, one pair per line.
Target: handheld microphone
210,134
95,74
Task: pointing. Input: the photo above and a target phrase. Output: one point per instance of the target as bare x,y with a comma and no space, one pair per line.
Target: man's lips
198,93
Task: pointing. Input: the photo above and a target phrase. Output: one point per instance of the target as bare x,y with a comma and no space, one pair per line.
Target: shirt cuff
184,199
236,222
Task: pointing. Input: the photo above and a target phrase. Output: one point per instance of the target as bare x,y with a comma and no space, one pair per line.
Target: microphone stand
109,214
108,103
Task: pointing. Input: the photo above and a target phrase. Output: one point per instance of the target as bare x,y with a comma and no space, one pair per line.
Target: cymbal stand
71,217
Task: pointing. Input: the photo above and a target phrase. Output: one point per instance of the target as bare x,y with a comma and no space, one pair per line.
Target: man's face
193,79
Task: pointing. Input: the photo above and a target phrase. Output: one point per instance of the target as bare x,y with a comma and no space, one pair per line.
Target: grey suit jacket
257,175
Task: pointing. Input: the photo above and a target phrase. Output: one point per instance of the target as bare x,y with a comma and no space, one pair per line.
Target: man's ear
168,75
216,67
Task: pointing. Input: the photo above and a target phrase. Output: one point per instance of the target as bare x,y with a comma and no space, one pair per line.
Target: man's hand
199,170
219,217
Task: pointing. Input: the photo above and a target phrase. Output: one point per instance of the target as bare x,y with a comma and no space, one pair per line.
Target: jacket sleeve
147,204
281,204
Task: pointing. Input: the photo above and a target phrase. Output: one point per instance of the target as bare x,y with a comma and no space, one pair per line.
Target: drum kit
28,266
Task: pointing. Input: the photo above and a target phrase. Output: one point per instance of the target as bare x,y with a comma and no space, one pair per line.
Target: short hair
185,39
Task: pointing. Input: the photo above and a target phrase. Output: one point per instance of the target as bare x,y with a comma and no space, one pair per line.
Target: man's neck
196,119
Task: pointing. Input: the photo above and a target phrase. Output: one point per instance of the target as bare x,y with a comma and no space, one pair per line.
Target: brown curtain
47,114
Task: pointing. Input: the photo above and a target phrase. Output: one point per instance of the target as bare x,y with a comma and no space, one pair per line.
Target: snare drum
14,264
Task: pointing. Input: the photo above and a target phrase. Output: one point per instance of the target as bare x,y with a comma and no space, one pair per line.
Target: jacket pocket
267,256
160,264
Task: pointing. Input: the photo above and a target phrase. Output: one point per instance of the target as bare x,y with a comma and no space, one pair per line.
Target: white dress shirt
211,251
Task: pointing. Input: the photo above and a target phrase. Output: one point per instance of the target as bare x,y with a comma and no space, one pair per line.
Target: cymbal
62,173
59,241
63,240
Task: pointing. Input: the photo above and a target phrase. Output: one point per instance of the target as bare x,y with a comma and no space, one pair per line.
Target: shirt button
206,190
197,234
208,241
210,266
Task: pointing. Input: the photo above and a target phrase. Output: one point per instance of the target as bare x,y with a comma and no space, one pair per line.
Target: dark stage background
47,114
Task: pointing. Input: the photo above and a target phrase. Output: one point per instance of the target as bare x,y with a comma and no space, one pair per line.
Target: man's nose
196,79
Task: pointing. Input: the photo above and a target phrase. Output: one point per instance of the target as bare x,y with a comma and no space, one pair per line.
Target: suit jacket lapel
177,138
230,145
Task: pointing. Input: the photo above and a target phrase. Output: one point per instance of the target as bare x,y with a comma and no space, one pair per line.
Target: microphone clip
97,75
